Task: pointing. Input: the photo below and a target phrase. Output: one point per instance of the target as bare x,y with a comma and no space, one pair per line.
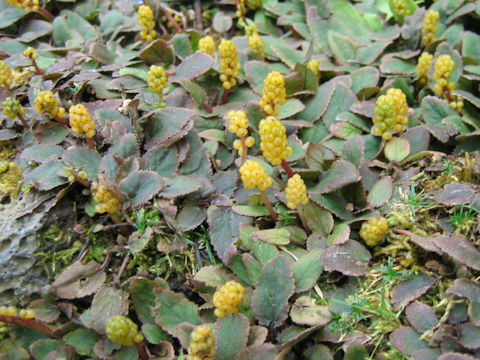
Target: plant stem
29,323
141,351
287,169
115,218
116,280
22,119
172,21
90,143
244,151
447,94
37,69
224,97
61,120
44,12
268,204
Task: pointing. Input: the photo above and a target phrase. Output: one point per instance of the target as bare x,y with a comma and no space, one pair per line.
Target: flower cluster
30,53
202,344
81,122
241,10
314,66
443,70
11,107
273,93
13,311
238,124
29,5
157,79
254,175
122,331
229,65
228,298
400,7
296,192
108,202
423,65
429,26
207,45
273,140
390,114
373,231
5,75
47,104
256,43
145,19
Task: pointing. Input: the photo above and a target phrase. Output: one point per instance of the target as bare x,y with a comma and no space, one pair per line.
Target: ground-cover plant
246,180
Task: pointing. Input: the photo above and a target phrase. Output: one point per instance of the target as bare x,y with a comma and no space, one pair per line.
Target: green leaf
158,52
344,130
154,334
141,186
446,49
339,235
381,192
274,288
272,236
301,80
356,352
179,186
333,203
366,77
10,15
251,210
350,258
143,300
126,353
353,150
181,45
84,159
307,270
318,219
343,48
397,149
172,309
306,312
290,108
221,22
33,30
224,224
341,173
45,176
231,336
256,71
316,106
82,340
41,348
70,29
107,302
191,216
469,48
341,99
162,160
196,91
289,56
192,67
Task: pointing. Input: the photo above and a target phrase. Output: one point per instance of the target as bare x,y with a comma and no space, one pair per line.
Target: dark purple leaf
350,258
421,316
407,340
454,194
411,289
470,290
461,249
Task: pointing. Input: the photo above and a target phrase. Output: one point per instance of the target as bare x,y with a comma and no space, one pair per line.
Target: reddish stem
208,108
141,351
403,232
447,94
37,69
287,169
172,21
61,120
22,119
83,182
244,150
29,323
90,143
45,12
224,97
268,204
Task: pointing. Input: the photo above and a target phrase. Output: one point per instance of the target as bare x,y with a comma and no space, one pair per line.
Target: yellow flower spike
256,43
273,93
241,10
296,192
157,79
429,27
147,23
273,140
254,175
82,123
30,53
400,7
5,75
47,104
423,65
108,202
228,298
443,69
238,123
390,114
229,65
314,66
207,45
373,231
123,331
202,344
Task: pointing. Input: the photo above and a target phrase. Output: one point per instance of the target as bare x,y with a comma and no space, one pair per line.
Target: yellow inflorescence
26,313
207,45
145,19
390,114
81,122
8,310
429,26
273,93
202,344
443,69
400,7
11,108
228,298
423,65
107,201
229,65
373,231
157,79
256,43
122,331
241,10
238,123
47,104
255,4
314,66
18,3
5,75
254,175
30,53
296,192
273,140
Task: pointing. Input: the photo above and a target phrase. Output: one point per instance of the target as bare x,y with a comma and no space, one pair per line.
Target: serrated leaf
397,149
289,56
179,186
158,52
82,340
356,352
231,336
344,130
224,225
191,216
41,348
381,192
342,47
141,186
305,311
353,150
172,309
307,270
274,288
341,173
407,340
421,316
339,235
84,159
408,290
318,219
316,106
192,67
259,352
461,249
107,302
256,71
272,236
143,299
350,258
162,160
